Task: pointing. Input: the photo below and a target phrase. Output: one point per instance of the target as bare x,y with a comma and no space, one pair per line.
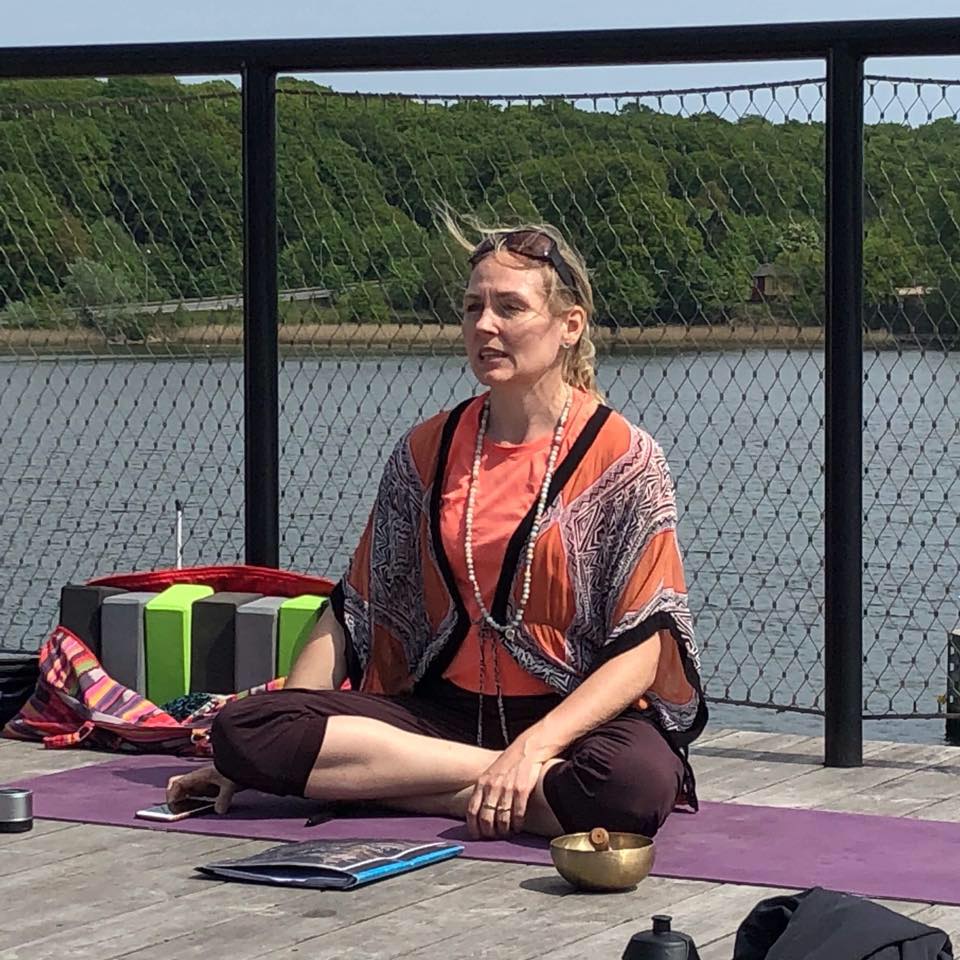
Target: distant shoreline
415,338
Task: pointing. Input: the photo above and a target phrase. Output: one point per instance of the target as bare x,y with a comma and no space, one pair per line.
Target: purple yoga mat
724,842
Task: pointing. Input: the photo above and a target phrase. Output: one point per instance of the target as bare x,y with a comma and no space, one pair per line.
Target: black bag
820,924
18,678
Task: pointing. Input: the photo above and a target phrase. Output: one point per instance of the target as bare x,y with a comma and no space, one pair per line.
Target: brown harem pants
623,775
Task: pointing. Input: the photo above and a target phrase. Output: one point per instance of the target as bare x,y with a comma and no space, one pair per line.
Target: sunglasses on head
531,244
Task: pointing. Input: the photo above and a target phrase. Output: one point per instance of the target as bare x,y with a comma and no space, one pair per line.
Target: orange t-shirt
507,486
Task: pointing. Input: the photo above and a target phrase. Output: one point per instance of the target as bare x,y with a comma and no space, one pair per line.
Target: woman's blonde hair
578,361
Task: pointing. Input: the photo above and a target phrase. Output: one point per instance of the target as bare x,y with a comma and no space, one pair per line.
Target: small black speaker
16,810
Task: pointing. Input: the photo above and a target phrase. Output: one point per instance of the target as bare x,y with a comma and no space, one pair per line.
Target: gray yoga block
80,611
213,641
121,629
256,641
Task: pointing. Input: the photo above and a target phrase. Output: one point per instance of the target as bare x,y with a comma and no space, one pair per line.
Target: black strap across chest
515,545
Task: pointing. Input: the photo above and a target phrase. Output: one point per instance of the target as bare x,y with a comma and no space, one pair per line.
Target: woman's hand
498,803
205,782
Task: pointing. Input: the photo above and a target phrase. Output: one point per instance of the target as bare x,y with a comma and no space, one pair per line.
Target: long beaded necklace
489,626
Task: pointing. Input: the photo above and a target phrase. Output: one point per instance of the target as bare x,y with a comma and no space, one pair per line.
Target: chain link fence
911,400
700,213
120,232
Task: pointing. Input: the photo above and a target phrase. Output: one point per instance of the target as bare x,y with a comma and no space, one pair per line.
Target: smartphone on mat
180,810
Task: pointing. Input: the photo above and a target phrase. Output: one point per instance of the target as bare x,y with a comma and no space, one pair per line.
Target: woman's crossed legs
415,753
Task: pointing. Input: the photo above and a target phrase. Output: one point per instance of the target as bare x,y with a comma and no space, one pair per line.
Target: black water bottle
661,943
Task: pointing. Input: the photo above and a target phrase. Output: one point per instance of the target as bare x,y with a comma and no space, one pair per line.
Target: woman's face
509,333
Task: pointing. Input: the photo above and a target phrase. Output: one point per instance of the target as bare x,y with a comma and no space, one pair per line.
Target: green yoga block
167,620
295,623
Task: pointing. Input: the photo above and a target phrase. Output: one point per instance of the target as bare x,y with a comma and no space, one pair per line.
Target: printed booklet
333,864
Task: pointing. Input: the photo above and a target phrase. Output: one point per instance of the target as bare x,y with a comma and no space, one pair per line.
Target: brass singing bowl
628,860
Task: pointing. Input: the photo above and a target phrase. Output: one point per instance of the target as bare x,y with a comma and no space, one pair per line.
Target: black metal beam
780,41
843,621
261,406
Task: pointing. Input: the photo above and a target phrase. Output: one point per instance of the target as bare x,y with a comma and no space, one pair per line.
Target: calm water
96,451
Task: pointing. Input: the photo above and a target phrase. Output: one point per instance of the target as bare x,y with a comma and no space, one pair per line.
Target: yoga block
122,638
297,617
213,642
80,612
168,618
256,642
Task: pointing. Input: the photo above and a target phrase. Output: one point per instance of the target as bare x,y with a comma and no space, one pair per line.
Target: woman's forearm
322,663
608,691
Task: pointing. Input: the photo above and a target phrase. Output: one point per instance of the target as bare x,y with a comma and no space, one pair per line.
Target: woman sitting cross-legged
514,620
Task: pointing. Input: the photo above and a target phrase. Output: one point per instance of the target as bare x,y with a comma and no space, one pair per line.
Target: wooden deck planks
708,915
825,788
21,760
724,772
101,893
242,921
84,889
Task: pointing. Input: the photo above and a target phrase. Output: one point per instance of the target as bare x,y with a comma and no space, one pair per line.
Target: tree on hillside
674,213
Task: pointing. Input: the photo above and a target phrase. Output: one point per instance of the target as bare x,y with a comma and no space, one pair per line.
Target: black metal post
261,405
953,687
843,601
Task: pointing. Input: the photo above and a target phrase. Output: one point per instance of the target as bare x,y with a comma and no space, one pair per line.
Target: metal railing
251,197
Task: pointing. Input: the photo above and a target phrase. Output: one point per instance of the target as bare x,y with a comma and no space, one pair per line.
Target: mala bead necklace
489,626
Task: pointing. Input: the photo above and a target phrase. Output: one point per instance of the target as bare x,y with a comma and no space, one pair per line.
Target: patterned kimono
607,573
